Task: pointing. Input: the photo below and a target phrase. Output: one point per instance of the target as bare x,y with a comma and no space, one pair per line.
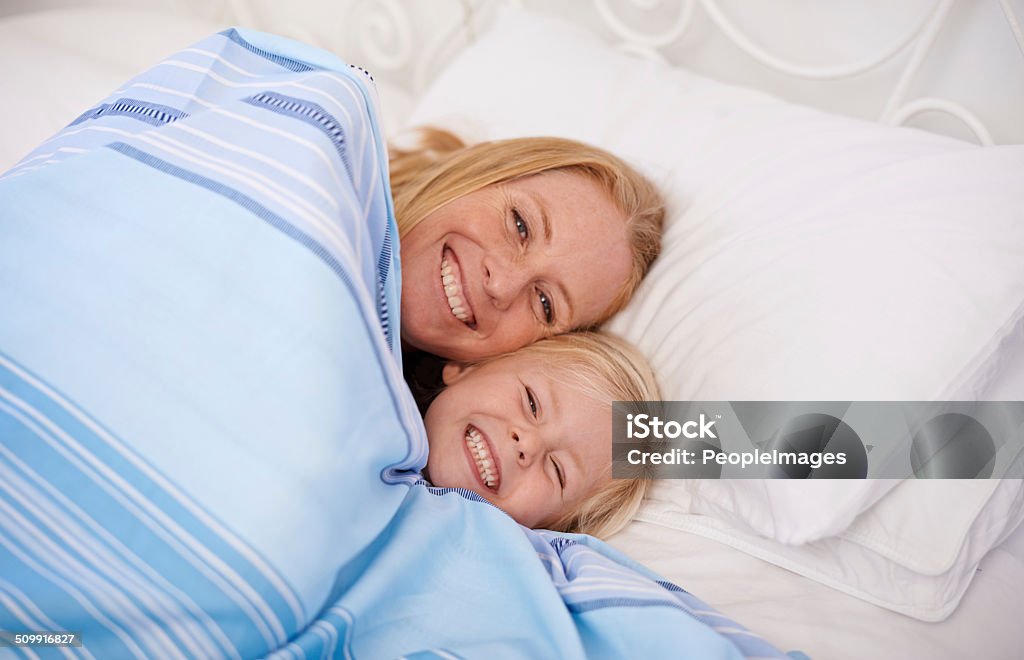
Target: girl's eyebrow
570,458
574,459
529,391
550,394
546,391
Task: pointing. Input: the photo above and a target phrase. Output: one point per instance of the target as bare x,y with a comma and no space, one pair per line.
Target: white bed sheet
796,613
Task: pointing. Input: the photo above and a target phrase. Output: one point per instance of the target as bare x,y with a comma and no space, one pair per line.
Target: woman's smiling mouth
454,291
482,458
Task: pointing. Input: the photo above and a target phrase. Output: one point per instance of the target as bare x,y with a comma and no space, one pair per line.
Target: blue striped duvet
206,447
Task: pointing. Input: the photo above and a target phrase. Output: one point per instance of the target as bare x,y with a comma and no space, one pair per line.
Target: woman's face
504,266
532,445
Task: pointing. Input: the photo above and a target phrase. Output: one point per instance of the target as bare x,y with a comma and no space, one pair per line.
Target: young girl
531,431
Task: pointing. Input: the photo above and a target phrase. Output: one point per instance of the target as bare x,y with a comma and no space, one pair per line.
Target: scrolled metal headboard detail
897,110
407,43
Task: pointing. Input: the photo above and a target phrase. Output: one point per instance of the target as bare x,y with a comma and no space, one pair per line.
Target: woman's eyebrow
569,315
543,212
548,232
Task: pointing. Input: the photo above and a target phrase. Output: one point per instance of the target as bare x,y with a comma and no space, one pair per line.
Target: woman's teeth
454,294
482,456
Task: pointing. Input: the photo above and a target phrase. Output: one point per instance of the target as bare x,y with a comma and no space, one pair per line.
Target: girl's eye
521,226
531,401
558,471
545,305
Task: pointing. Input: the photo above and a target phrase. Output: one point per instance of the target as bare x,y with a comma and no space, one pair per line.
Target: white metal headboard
917,62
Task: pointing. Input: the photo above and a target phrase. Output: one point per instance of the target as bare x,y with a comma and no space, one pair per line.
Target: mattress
796,613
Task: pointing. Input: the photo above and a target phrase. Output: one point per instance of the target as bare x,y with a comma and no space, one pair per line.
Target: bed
739,163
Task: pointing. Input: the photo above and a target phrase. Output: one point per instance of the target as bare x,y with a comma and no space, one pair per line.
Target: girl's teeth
487,468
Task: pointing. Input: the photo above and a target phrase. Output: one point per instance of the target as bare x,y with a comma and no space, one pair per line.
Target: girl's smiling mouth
482,459
454,289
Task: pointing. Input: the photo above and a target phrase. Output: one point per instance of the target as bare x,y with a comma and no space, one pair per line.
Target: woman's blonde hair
442,168
607,369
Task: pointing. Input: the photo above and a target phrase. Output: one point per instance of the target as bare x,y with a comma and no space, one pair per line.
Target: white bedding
915,552
797,613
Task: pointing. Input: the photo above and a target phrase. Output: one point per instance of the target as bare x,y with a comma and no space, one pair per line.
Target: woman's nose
504,281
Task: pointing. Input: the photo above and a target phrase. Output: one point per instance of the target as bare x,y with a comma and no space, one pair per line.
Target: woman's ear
452,372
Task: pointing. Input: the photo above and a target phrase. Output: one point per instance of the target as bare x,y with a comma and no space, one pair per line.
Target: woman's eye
545,305
521,226
531,401
558,471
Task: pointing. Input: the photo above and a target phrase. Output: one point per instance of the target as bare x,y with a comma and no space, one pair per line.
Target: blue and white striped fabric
591,576
462,579
200,381
206,446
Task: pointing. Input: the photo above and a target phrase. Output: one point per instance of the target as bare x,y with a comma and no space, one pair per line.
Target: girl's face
508,264
529,444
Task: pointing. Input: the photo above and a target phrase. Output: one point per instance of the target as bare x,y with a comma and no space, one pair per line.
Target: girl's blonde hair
607,369
442,168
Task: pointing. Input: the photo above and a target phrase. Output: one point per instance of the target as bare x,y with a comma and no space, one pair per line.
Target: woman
509,241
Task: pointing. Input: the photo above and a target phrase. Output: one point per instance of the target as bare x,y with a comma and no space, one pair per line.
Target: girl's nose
525,446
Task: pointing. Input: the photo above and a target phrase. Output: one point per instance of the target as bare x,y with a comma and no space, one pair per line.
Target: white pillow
791,512
807,256
915,552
